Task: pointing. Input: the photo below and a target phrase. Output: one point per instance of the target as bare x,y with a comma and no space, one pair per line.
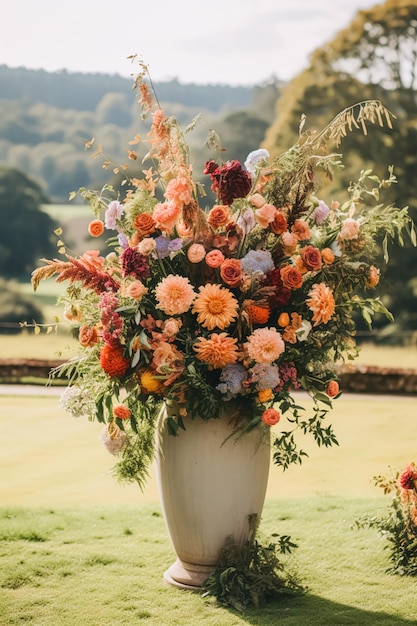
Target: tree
27,231
16,307
374,57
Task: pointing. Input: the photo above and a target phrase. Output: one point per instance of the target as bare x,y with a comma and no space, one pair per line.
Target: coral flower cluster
238,301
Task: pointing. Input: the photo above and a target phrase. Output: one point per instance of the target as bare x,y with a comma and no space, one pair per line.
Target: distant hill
83,92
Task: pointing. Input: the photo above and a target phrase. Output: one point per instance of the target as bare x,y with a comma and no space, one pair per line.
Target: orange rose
96,228
279,224
87,336
291,277
231,272
144,224
311,258
271,417
327,255
219,216
332,388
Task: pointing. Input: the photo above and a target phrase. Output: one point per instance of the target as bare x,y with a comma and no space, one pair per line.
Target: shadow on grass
310,610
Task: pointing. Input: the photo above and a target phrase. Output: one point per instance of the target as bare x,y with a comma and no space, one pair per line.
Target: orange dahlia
258,314
217,351
121,411
113,361
215,307
321,303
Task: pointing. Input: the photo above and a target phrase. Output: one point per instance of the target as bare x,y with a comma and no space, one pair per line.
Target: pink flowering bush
233,306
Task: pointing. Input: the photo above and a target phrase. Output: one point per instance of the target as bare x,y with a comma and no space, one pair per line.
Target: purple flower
264,375
246,221
231,381
257,261
113,213
320,213
123,241
165,246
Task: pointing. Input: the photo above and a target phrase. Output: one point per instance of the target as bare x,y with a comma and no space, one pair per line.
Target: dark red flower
135,264
281,295
408,478
229,181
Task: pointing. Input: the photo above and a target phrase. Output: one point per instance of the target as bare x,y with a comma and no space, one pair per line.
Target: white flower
77,402
304,330
254,158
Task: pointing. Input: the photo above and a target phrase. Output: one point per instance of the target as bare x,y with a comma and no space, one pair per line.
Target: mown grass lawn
76,548
103,566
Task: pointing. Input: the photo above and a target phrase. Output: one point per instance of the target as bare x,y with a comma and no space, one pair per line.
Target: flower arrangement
399,526
234,305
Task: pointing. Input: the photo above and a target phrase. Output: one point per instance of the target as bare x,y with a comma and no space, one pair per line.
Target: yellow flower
148,381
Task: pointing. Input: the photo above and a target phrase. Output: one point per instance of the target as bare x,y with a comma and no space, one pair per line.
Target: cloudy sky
240,42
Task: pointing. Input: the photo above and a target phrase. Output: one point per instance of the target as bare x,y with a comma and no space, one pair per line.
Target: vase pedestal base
187,575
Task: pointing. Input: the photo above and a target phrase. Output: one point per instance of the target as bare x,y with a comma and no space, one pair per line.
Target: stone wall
353,378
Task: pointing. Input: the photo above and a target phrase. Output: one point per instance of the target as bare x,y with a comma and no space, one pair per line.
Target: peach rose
350,229
196,253
327,255
257,200
311,257
219,216
265,215
214,258
289,242
301,229
87,336
136,290
144,223
146,246
231,272
291,277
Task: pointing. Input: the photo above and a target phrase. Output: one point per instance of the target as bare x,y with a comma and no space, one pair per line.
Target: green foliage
398,527
252,573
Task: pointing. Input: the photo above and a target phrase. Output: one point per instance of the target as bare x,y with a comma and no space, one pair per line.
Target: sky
236,42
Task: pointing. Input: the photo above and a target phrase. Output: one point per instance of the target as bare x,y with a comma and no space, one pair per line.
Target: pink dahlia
174,294
265,345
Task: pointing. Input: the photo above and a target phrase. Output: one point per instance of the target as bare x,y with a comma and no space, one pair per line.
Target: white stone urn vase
209,484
